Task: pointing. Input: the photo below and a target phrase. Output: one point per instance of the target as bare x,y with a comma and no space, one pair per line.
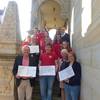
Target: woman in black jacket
72,85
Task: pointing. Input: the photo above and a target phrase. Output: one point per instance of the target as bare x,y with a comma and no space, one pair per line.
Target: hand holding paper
47,71
26,71
18,77
66,73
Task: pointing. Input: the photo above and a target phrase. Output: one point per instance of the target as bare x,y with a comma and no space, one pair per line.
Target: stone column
9,42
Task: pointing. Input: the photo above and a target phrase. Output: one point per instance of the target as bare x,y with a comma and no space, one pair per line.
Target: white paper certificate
34,49
26,71
47,71
66,73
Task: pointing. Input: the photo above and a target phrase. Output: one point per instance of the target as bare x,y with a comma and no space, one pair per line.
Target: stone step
56,91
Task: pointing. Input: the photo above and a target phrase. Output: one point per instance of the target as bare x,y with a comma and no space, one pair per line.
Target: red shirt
41,41
48,58
42,45
57,49
39,37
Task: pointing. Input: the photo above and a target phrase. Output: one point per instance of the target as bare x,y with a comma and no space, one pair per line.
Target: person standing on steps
24,84
48,58
72,85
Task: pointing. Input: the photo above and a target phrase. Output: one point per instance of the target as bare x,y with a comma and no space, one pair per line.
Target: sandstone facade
9,43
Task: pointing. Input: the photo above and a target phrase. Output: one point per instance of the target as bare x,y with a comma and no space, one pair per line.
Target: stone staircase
36,91
56,90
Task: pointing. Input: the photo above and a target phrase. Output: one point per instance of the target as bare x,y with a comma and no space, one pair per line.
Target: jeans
46,84
71,92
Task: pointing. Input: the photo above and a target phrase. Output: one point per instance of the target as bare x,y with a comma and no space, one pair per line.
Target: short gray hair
64,51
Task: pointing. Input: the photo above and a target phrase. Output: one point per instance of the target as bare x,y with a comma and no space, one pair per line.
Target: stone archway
64,4
36,5
49,14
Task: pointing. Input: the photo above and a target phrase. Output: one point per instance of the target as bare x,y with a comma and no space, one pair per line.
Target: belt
25,79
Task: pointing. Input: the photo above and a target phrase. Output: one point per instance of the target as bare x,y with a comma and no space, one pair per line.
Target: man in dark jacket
64,35
24,84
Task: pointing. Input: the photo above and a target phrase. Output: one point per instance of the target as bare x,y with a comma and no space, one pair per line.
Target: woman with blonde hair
72,85
64,54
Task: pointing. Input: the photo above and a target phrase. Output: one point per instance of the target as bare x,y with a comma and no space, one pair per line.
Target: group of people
55,52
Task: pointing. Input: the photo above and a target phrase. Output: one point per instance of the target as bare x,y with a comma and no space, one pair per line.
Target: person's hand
56,68
67,81
25,77
18,77
60,62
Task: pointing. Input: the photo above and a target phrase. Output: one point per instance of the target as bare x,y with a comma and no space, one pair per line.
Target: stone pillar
9,42
34,14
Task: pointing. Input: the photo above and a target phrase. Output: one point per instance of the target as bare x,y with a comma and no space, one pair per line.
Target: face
62,30
58,37
26,51
65,45
34,40
64,55
71,57
48,49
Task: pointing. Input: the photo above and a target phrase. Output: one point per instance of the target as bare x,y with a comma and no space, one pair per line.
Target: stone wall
9,42
87,46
